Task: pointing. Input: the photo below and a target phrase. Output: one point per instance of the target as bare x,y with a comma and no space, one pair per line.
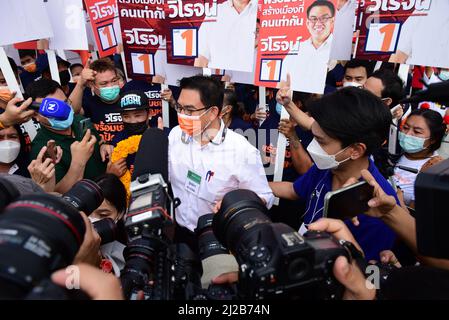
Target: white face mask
352,84
9,150
322,159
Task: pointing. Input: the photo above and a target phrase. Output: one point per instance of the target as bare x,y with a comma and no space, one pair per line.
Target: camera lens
106,229
85,195
241,210
38,235
207,242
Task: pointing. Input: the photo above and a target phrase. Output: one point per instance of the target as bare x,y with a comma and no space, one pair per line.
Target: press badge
193,182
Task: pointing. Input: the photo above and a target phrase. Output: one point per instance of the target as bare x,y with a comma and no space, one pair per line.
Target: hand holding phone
51,151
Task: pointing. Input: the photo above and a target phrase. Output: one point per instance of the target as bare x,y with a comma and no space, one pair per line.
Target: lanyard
315,194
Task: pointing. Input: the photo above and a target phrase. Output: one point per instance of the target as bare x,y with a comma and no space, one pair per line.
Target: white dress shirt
425,39
228,43
343,31
308,68
223,167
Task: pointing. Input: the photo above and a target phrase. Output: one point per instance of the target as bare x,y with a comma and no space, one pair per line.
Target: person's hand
160,123
260,114
381,203
398,113
14,114
43,171
117,168
82,150
94,282
106,151
287,128
89,251
167,95
87,75
284,94
348,274
388,257
226,278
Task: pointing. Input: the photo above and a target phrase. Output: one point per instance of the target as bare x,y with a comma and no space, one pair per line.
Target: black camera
39,234
274,259
208,244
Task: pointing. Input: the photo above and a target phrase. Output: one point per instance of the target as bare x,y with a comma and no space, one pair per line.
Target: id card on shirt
303,229
193,182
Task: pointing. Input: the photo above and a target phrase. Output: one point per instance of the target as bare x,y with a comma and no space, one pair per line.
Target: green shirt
94,167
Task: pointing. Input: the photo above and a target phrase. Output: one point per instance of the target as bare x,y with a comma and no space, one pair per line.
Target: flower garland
122,150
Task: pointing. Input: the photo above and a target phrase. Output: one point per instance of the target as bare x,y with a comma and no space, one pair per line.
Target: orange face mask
5,94
190,125
30,67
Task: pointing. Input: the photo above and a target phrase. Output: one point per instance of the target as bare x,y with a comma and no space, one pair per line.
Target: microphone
152,155
435,92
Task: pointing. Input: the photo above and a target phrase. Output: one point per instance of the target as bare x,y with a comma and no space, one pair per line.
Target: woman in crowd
232,112
13,156
420,137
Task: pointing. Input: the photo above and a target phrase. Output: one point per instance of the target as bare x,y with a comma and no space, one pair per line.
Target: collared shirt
422,38
343,31
372,234
94,167
221,166
309,67
228,43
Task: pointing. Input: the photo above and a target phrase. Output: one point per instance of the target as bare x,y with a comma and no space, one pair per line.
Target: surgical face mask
109,93
5,94
30,67
411,144
352,84
9,150
444,75
191,125
322,159
278,108
61,124
135,128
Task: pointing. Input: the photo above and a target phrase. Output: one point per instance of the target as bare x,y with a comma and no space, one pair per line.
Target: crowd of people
221,139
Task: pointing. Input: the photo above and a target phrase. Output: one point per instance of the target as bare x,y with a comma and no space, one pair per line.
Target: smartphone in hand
349,201
51,151
83,126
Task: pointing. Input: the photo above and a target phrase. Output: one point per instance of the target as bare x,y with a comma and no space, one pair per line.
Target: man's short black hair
393,85
42,88
25,53
320,3
210,89
357,63
353,115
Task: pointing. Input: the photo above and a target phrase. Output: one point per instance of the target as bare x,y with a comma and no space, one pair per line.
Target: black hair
320,3
393,85
434,121
114,191
303,98
42,88
211,90
24,53
230,98
353,115
75,65
357,63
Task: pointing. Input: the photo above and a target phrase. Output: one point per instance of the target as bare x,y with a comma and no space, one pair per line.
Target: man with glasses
308,66
205,159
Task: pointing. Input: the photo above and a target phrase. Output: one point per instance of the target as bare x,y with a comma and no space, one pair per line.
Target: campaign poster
104,20
217,34
295,39
345,18
404,31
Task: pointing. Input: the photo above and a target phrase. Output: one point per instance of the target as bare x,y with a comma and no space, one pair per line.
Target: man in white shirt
343,30
308,67
424,40
205,159
227,43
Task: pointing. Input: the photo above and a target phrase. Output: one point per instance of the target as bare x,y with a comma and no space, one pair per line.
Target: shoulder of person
175,133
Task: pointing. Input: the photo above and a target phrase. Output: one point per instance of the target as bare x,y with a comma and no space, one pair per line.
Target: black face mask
135,128
64,76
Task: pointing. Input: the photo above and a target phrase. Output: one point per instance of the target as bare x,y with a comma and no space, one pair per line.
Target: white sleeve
252,175
203,40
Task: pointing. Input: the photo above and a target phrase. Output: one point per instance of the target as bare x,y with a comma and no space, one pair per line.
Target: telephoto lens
85,195
39,234
106,229
207,242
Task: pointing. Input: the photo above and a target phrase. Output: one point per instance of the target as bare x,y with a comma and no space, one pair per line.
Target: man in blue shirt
349,125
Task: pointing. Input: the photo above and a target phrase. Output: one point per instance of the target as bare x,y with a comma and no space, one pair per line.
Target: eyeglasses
187,111
322,20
